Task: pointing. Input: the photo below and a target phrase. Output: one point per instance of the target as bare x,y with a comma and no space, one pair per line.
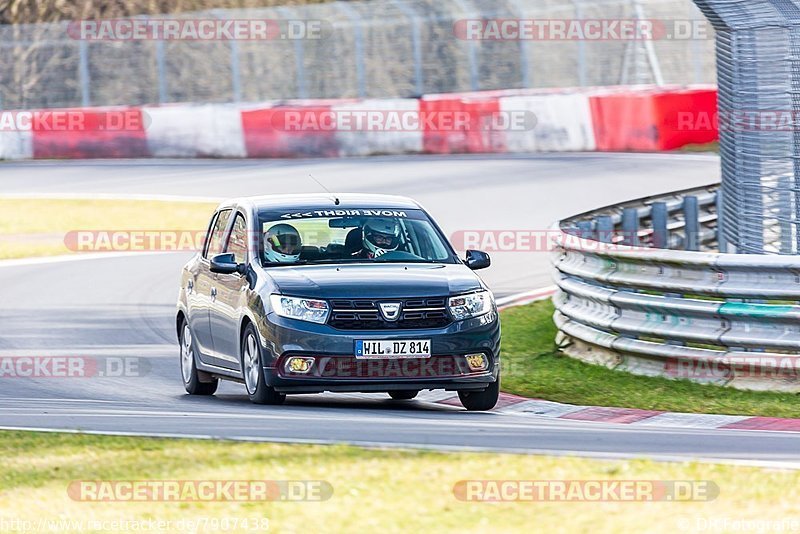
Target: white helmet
381,235
282,244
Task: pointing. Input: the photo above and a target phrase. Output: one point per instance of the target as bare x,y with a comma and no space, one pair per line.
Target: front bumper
336,368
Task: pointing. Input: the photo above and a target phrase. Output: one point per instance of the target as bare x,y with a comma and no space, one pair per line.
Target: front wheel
253,371
480,401
191,378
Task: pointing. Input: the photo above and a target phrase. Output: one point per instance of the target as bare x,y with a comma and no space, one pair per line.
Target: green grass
373,490
533,367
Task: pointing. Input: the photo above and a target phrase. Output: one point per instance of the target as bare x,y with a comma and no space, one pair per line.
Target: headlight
472,305
314,311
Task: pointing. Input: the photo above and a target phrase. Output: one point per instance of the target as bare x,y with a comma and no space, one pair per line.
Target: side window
214,239
237,242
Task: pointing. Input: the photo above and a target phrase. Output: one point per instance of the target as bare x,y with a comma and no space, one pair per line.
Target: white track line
46,260
773,464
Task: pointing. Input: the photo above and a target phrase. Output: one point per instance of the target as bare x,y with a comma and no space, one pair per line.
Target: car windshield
351,236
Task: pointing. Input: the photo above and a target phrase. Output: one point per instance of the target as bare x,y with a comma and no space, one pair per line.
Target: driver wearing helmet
282,244
379,236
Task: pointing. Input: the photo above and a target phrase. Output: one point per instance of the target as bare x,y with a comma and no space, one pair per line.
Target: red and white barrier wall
556,120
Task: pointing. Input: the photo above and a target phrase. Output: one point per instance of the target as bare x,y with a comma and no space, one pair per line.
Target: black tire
188,362
481,401
403,394
255,382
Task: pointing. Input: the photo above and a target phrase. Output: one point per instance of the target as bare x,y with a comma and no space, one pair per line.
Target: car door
201,295
230,289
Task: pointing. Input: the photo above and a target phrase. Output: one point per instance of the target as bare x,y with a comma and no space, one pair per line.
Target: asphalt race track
120,308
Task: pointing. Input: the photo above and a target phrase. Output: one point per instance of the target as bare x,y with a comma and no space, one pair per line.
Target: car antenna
335,198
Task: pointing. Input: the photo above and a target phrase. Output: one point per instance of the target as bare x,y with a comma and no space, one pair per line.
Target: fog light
299,365
477,362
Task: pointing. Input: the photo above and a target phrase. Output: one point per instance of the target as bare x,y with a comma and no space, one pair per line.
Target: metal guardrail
643,288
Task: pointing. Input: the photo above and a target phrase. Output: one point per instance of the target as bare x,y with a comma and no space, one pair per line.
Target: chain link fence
759,102
379,48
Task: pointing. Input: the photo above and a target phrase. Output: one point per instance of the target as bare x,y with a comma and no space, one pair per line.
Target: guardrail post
630,227
659,216
722,243
604,226
585,229
691,214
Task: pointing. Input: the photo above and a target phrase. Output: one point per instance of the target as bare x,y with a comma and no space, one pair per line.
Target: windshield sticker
345,213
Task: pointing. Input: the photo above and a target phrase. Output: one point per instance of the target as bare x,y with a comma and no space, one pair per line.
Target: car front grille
364,314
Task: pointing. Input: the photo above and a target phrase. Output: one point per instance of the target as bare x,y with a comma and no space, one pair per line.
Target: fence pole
358,35
650,50
416,44
581,47
236,80
161,72
299,56
524,60
83,73
472,52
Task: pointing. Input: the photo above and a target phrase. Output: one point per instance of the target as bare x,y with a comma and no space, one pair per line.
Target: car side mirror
226,264
477,260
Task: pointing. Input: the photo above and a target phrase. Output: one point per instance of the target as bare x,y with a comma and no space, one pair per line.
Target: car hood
374,280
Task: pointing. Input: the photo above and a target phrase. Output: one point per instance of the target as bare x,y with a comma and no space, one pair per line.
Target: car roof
322,200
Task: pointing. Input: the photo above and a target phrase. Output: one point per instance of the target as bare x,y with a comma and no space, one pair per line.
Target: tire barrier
512,121
642,288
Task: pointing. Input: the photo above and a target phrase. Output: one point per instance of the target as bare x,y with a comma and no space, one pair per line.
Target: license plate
382,349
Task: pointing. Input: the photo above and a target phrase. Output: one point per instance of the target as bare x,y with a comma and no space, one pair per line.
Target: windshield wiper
287,264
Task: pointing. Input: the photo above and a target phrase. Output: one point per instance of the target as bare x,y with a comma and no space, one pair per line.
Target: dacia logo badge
390,310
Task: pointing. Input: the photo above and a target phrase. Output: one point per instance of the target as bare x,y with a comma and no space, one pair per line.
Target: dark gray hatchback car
356,293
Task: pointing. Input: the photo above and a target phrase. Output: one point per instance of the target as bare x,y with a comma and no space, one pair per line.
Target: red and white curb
513,404
521,299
